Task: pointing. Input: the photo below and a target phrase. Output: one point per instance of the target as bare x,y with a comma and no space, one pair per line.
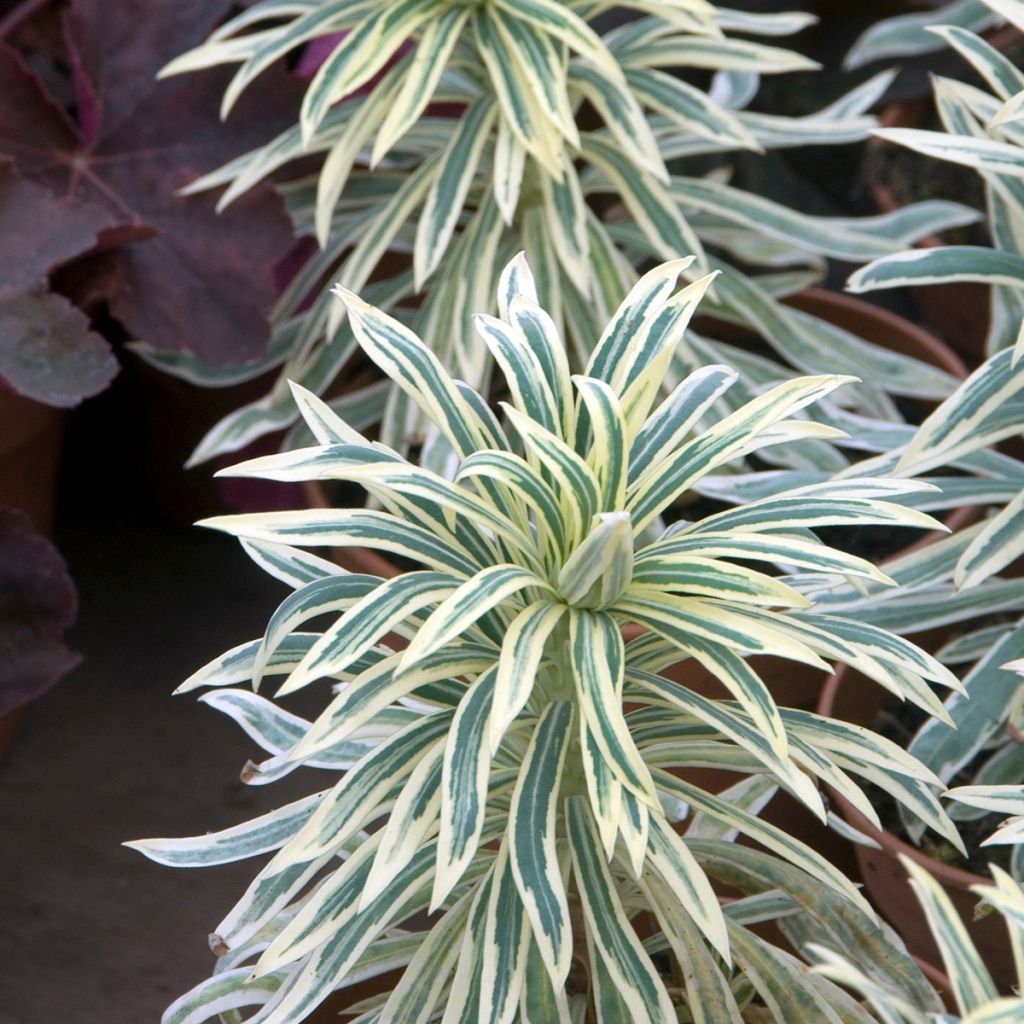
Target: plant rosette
558,127
510,787
899,335
791,684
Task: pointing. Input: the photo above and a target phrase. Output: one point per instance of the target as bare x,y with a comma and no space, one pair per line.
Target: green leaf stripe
522,651
367,620
359,792
598,664
677,416
612,937
450,187
250,839
467,766
347,527
532,839
408,362
433,50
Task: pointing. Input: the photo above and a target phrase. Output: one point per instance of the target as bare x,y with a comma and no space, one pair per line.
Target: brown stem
20,14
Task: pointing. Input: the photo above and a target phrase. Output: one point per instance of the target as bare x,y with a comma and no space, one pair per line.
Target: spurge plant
533,768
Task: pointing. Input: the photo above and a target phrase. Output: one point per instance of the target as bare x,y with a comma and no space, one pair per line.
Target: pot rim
937,352
933,350
950,876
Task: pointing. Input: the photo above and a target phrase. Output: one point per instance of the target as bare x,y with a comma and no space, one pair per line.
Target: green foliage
976,995
439,138
982,130
534,767
956,582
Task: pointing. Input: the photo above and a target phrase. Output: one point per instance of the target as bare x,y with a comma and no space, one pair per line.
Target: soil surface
911,177
93,931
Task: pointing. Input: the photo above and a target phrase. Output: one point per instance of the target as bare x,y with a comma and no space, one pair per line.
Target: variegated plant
429,202
976,996
998,799
955,584
501,706
983,130
910,34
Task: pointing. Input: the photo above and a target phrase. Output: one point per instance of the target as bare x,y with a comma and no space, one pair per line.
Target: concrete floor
93,932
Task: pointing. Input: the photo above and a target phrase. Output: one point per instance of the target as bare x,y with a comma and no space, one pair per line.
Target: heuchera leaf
37,603
42,230
188,277
47,351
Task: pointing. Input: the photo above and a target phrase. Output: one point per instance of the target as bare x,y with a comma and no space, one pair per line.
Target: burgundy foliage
88,189
38,603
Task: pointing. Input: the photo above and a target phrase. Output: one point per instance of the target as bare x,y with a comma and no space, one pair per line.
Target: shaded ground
92,932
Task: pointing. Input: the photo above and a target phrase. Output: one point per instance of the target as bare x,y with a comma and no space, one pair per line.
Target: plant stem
20,14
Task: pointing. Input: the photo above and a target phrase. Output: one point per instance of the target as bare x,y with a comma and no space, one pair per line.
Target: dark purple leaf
47,351
188,278
38,603
39,232
34,128
118,49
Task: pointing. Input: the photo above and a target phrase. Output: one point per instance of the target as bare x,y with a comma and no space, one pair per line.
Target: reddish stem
20,14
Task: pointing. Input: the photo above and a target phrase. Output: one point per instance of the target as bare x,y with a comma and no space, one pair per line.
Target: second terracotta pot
897,334
872,323
851,697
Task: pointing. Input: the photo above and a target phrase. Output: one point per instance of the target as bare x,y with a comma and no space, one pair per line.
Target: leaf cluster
534,767
92,154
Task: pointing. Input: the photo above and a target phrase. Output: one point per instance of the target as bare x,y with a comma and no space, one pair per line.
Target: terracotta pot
851,697
866,320
898,335
940,981
961,313
29,455
880,326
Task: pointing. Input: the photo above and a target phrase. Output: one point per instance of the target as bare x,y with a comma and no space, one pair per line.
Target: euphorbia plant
957,583
545,136
531,762
982,129
983,737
